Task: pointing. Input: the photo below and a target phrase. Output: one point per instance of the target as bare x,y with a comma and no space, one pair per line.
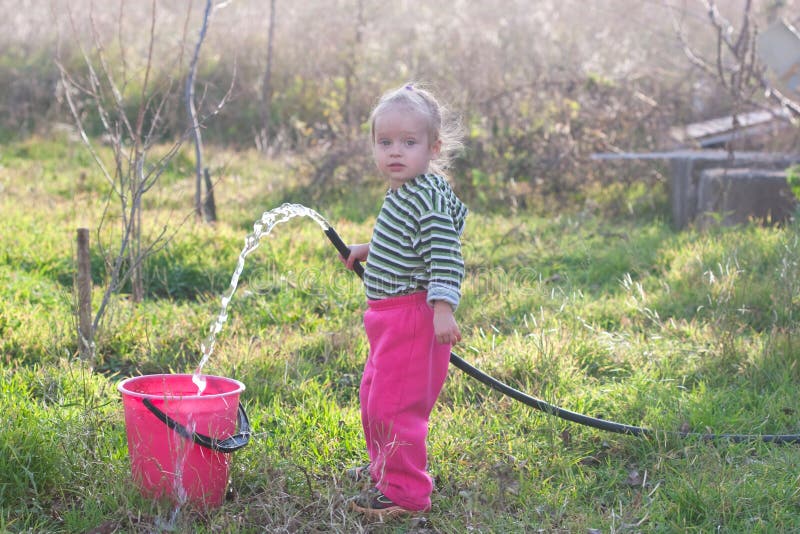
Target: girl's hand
357,252
444,323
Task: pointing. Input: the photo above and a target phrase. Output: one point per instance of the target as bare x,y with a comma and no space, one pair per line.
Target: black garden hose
568,415
227,445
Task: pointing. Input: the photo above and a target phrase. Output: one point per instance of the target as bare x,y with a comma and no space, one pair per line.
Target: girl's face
402,146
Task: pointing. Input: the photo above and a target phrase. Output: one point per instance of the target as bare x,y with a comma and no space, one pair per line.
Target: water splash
262,227
179,448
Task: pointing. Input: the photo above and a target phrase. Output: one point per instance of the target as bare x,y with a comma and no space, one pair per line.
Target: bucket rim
122,387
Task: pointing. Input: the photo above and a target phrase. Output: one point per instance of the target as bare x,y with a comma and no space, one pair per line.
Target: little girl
412,279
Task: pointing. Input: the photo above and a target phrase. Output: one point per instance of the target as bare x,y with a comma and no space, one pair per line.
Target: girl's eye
411,142
384,142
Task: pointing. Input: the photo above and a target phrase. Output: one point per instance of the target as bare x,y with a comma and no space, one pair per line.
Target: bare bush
127,95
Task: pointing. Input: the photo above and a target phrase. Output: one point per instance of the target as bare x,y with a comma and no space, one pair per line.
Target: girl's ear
436,148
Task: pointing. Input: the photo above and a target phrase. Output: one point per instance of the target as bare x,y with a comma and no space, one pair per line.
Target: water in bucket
180,442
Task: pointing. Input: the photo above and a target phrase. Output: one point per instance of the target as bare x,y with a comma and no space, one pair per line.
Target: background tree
203,203
262,138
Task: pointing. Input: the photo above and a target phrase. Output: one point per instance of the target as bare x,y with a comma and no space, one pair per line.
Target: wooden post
85,335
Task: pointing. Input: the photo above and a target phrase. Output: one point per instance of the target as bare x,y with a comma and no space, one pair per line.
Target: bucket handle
227,445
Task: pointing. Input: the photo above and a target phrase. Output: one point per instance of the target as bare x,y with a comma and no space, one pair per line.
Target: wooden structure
742,131
688,165
737,196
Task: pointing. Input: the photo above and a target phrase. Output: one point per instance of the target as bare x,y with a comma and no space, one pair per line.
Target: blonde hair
442,126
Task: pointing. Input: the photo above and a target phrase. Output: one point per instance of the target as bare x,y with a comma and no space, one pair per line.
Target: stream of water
262,227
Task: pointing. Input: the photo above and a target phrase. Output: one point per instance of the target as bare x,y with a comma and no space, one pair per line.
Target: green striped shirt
416,242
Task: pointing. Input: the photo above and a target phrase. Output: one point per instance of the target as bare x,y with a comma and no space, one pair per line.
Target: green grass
619,318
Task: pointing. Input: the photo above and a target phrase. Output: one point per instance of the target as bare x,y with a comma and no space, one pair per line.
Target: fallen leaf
634,478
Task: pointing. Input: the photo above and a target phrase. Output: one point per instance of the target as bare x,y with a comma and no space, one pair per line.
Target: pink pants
405,371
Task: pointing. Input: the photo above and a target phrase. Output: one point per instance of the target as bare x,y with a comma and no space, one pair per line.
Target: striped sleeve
440,247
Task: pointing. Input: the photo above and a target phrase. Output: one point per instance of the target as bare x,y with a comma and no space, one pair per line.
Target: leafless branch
735,65
121,43
68,83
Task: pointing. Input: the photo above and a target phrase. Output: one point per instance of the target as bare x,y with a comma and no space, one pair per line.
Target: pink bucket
180,442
